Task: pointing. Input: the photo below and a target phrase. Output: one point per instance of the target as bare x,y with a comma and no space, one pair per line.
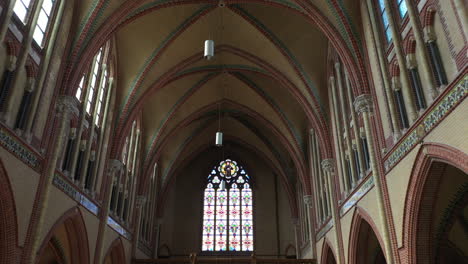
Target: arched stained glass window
227,210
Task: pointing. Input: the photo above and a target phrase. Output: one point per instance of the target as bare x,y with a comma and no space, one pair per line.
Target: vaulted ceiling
267,80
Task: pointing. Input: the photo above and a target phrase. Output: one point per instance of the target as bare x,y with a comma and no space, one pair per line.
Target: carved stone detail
327,165
363,103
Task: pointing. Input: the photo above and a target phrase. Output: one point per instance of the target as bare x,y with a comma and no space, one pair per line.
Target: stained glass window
227,210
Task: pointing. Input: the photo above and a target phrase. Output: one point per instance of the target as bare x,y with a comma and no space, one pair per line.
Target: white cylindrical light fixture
223,185
219,139
209,49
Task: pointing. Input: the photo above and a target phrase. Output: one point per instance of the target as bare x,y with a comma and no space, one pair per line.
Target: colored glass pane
227,210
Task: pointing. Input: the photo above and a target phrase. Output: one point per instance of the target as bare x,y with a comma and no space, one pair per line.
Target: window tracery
227,209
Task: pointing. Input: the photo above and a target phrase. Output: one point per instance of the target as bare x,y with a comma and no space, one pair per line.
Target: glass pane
38,36
388,33
42,20
403,9
20,11
88,108
208,220
221,221
78,94
247,223
385,19
234,219
47,6
382,5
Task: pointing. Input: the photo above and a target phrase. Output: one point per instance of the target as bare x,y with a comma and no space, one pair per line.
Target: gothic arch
8,224
328,255
361,224
75,240
425,177
116,253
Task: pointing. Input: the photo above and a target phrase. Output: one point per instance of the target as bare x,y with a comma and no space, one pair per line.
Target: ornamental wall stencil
430,120
17,148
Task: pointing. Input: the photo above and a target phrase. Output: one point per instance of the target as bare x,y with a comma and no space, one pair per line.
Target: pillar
384,72
140,201
295,223
338,135
397,45
22,58
309,201
115,167
364,106
421,48
65,108
6,19
327,166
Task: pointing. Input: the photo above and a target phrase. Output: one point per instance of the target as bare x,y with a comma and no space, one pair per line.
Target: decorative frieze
431,119
71,191
325,229
14,146
118,228
357,196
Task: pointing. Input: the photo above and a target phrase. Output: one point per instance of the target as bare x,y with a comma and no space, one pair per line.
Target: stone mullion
397,45
355,121
115,168
126,175
314,177
65,109
421,48
140,201
92,127
338,135
364,106
153,200
327,166
7,19
309,201
134,174
105,135
22,58
82,120
345,118
318,171
44,67
384,72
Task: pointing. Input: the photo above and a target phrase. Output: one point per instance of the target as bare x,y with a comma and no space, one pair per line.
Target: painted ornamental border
357,195
21,150
453,96
61,183
325,229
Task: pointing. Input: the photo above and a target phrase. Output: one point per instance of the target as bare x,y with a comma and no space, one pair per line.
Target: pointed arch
8,223
421,185
328,255
361,222
116,253
76,234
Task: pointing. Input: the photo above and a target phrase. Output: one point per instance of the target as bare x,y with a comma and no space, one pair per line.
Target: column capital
363,103
115,165
327,165
429,33
140,200
295,221
308,200
66,105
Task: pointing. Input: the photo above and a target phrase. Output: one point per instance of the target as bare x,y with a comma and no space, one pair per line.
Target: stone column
140,201
159,222
327,165
8,11
22,58
309,201
44,67
398,46
338,135
421,48
115,167
364,106
345,117
315,177
65,108
384,72
295,223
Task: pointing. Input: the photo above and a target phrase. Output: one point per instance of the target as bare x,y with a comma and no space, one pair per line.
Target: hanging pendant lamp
209,49
219,139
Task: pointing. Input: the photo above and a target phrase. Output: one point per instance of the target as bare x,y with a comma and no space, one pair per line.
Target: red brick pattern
8,224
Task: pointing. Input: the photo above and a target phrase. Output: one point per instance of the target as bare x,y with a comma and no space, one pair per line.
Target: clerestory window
227,210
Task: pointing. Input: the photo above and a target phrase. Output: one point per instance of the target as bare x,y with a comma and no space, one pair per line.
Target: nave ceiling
267,81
